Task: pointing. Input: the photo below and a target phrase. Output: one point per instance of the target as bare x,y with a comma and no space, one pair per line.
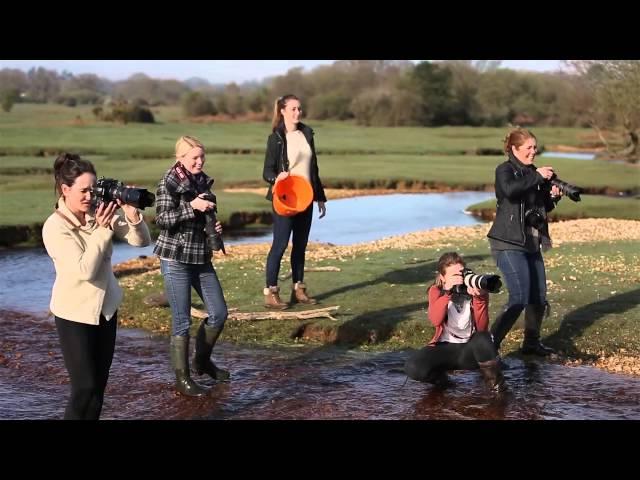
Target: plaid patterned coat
182,235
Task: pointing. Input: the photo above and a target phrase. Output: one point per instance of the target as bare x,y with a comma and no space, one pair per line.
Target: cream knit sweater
85,285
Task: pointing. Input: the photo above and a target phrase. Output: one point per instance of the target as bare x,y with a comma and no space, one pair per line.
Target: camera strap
180,171
200,184
531,199
516,172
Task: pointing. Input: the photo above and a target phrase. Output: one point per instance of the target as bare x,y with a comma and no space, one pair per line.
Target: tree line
599,94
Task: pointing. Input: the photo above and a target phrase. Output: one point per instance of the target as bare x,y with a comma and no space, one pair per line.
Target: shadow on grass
576,322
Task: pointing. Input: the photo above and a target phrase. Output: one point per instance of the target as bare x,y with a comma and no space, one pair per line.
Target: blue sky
216,71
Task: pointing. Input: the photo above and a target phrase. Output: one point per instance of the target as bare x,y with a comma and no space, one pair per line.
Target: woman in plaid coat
185,262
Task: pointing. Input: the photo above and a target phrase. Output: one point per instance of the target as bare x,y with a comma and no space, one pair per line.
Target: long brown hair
447,259
280,103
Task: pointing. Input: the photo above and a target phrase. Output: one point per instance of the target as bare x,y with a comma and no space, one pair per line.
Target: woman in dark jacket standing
290,150
519,233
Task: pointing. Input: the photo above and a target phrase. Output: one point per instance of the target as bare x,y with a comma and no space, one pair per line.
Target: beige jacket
85,285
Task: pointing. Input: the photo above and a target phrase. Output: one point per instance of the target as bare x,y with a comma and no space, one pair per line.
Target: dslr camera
491,283
109,190
536,218
214,239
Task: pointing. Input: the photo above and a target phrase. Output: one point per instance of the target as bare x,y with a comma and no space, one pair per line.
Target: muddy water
300,383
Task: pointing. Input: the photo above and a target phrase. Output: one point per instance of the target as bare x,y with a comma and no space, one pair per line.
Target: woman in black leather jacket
518,235
290,150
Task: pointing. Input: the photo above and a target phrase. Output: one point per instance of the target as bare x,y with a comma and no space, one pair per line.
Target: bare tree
615,86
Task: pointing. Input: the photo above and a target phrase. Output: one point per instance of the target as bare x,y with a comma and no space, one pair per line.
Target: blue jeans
178,279
283,227
524,275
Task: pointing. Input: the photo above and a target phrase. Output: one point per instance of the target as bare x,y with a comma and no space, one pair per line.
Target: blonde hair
186,143
279,104
446,260
516,138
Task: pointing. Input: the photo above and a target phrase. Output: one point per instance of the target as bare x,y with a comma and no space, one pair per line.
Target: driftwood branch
314,269
271,315
196,312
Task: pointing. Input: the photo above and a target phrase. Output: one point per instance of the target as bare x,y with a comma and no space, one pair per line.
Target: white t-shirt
458,327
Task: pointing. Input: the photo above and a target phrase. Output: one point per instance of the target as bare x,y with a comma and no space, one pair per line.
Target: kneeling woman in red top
462,340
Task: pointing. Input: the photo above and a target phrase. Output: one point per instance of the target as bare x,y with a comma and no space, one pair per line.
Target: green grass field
29,128
349,156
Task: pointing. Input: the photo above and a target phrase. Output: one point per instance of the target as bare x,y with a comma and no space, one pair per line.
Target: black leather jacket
276,160
518,188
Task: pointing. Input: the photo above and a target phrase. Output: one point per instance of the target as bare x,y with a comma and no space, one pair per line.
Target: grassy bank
381,291
591,206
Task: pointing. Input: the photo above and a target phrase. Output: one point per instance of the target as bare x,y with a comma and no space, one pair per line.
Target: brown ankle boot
272,299
299,294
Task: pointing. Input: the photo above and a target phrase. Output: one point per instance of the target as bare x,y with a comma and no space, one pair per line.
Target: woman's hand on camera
219,228
201,204
545,172
477,292
281,176
555,192
451,281
104,214
130,211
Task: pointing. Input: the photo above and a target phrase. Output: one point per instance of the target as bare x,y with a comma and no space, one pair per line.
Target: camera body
109,190
535,218
214,239
490,283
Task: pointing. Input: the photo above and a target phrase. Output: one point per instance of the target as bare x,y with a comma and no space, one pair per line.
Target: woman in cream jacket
86,295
